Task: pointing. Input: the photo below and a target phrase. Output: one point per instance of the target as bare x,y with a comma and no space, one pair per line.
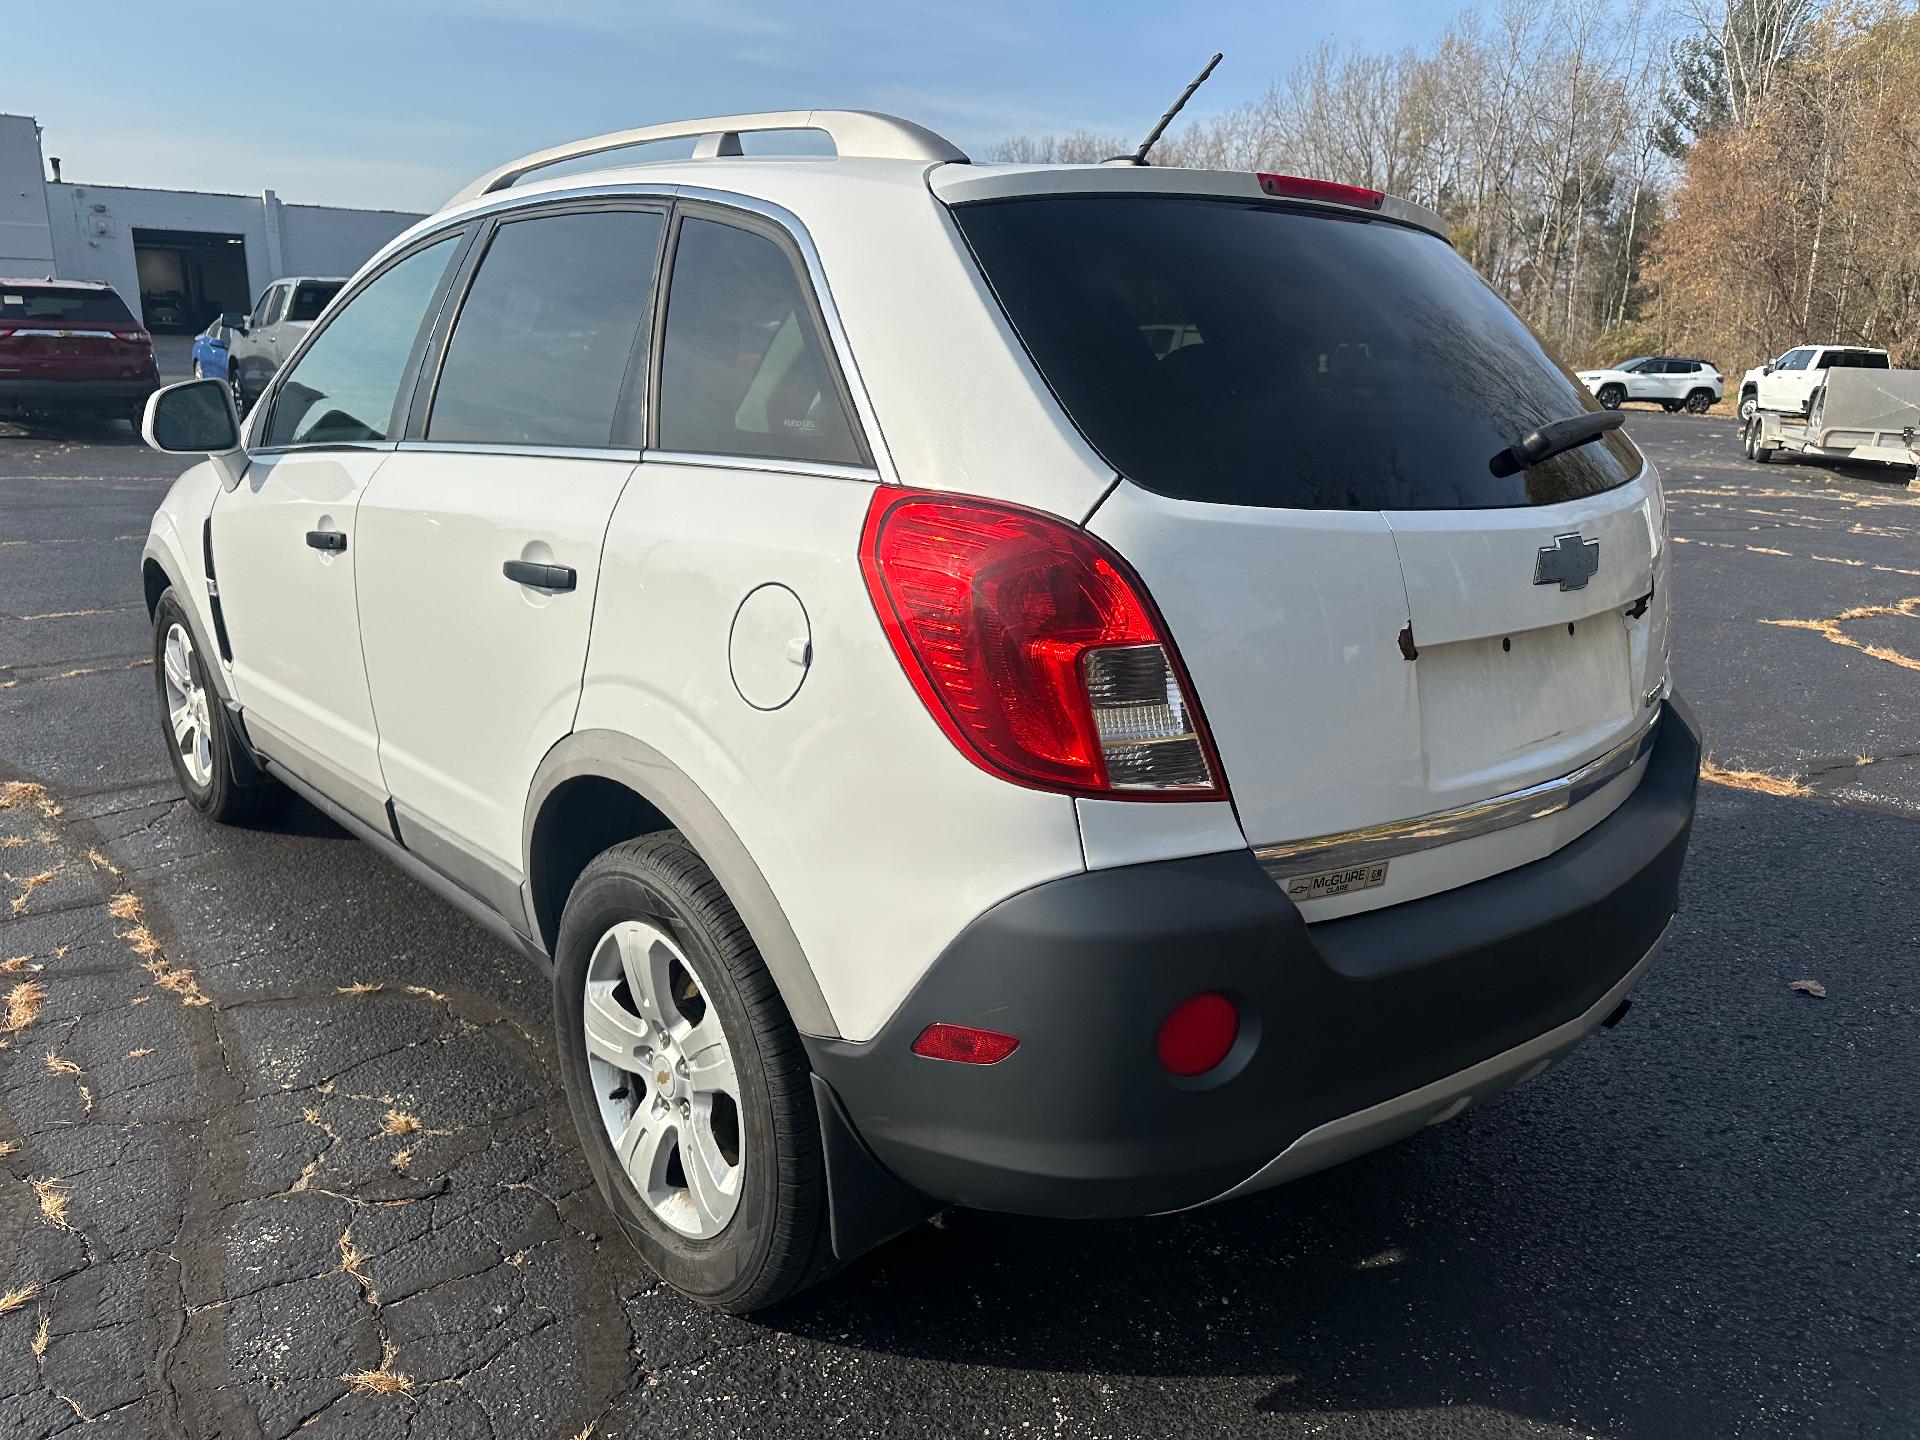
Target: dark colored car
71,347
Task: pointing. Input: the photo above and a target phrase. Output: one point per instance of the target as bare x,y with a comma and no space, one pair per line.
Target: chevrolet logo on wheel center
1569,562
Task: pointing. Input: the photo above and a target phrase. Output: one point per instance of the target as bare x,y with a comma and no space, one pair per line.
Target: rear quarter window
1256,354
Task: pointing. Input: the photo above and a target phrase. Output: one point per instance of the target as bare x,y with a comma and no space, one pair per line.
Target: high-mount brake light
1300,187
1035,649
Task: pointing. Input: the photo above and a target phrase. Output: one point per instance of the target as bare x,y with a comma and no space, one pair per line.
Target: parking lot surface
282,1144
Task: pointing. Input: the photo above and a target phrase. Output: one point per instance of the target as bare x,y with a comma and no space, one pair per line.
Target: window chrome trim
263,452
1446,827
507,447
770,464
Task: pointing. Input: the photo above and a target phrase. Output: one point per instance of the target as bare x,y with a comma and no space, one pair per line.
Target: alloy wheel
664,1078
187,707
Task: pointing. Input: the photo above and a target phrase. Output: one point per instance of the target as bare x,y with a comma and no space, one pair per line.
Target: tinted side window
276,304
311,298
259,316
1795,360
542,348
744,370
343,388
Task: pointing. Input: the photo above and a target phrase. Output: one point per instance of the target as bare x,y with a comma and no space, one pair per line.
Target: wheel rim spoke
709,1062
712,1184
643,1149
613,1034
646,957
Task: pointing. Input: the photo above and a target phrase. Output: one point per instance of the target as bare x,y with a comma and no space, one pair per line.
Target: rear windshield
61,306
1251,354
1857,360
311,297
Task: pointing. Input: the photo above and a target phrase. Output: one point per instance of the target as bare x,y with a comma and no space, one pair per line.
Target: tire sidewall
1611,397
722,1269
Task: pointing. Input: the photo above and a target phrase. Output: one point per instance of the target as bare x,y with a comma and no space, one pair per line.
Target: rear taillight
1299,187
133,337
1035,649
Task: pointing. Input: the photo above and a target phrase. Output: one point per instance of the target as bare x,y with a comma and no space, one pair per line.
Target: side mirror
196,417
234,321
1767,369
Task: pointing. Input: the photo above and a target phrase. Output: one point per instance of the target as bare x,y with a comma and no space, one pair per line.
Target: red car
71,347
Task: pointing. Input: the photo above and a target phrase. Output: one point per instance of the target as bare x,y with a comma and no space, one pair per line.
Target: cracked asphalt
282,1146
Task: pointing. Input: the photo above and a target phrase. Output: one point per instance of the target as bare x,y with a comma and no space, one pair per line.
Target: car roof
48,282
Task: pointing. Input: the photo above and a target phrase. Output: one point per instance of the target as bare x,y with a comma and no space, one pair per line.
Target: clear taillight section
1034,648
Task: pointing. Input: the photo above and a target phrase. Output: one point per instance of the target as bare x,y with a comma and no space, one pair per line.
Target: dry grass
1760,781
425,994
13,1300
125,906
141,1053
23,1004
399,1122
60,1065
384,1381
41,1336
18,794
54,1197
11,842
101,862
177,982
14,964
352,1258
1831,629
359,987
28,884
402,1159
7,1147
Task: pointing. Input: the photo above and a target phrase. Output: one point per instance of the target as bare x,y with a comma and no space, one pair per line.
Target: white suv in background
956,745
1672,381
1791,383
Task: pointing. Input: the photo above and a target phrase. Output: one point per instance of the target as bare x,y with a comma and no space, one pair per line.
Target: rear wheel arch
597,788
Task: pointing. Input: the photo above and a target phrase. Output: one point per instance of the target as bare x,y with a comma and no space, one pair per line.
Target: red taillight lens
1299,187
1197,1034
964,1044
1034,648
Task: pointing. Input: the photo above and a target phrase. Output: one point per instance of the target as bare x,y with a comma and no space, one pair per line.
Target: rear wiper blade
1555,439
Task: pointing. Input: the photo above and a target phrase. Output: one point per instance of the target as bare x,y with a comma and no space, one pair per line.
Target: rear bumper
1354,1031
101,397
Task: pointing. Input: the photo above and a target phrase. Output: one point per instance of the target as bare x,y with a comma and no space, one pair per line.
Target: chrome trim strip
754,462
543,452
1446,827
1403,1115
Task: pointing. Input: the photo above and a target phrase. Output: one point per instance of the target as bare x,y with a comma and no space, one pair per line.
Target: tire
1747,433
1672,407
1610,396
1699,401
239,388
199,371
1816,412
201,746
648,915
1749,402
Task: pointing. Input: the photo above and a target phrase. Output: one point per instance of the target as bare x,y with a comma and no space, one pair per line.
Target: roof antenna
1139,157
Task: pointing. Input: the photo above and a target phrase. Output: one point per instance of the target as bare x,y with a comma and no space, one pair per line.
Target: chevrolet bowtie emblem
1568,562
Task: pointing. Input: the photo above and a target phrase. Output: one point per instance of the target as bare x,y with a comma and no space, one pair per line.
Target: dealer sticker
1324,884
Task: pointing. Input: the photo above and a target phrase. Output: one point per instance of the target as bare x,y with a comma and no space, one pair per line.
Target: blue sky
397,104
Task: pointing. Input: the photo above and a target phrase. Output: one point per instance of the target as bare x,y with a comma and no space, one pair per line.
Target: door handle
333,540
541,577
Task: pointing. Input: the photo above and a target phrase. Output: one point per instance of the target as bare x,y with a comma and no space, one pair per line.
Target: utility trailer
1858,415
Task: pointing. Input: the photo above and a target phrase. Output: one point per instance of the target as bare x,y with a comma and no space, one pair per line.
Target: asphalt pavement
282,1143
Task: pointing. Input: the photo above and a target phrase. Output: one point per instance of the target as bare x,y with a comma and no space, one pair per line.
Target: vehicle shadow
1693,1226
71,429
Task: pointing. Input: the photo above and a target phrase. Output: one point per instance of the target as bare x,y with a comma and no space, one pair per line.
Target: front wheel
687,1081
199,737
1610,396
1700,401
239,389
1749,402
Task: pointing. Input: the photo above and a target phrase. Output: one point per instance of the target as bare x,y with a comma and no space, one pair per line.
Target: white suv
955,746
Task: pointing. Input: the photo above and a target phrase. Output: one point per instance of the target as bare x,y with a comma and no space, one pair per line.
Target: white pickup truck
1788,384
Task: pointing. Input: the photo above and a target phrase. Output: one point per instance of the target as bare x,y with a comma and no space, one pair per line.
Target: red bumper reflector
1299,187
964,1044
1197,1034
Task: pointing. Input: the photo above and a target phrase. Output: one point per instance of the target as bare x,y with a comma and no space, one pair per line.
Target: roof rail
866,133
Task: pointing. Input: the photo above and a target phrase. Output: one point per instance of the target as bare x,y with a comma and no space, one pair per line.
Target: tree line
1723,178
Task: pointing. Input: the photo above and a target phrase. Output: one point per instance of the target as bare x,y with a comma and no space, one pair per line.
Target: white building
207,253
